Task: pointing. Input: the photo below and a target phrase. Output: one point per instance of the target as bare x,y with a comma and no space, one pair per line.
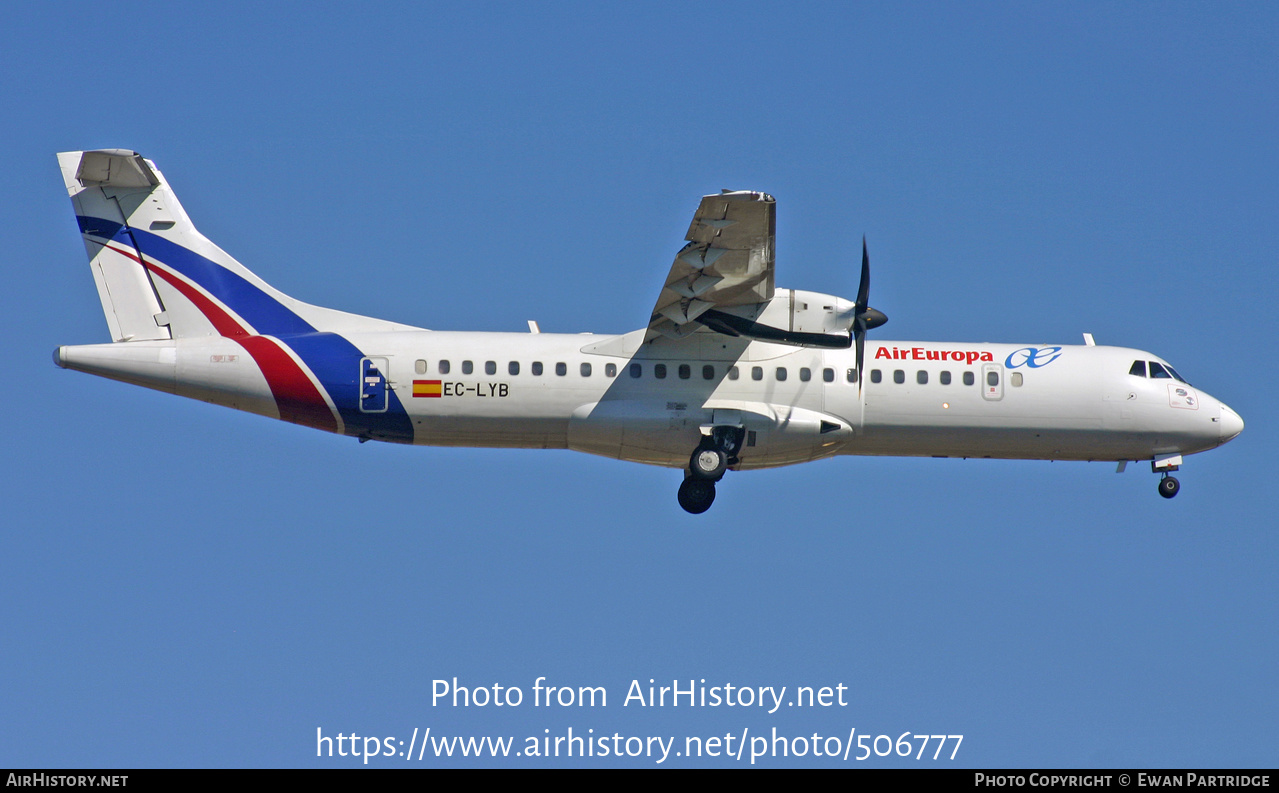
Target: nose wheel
1166,464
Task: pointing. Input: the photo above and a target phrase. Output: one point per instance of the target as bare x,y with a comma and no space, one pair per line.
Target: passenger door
992,381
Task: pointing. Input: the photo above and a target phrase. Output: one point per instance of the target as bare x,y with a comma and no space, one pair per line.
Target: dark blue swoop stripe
334,360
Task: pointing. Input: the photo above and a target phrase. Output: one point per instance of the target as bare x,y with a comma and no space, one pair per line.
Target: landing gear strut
712,457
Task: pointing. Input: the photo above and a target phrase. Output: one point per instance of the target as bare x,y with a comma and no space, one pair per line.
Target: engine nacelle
791,316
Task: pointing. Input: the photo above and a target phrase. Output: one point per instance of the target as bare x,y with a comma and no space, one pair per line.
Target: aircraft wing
728,261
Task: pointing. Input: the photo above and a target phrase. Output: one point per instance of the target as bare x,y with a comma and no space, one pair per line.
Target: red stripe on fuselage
296,397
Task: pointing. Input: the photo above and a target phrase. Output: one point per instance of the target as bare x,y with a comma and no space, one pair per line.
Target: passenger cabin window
781,374
513,367
685,371
1015,379
586,370
992,378
610,370
921,377
944,377
636,370
537,368
805,374
733,374
467,367
708,372
1138,369
851,376
419,367
490,367
561,369
757,373
969,379
659,371
1159,372
828,375
876,376
444,367
899,376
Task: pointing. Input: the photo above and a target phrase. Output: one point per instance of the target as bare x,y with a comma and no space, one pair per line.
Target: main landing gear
1168,486
712,457
696,495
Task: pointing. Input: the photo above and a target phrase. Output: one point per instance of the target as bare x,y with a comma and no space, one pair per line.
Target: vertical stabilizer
159,277
111,190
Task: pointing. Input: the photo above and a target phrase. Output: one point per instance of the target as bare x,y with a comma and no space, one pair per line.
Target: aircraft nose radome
1231,424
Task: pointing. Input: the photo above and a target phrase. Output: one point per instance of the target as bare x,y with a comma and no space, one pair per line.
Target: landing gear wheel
696,495
708,462
1168,486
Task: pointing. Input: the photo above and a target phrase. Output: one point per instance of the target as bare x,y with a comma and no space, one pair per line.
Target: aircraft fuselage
620,397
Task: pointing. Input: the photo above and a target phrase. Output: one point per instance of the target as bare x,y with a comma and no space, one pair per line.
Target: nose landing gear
712,457
1166,464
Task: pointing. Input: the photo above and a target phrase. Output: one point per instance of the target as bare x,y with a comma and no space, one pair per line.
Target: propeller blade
863,289
860,341
859,316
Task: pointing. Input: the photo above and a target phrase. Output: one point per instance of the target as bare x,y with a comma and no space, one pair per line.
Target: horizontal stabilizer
115,168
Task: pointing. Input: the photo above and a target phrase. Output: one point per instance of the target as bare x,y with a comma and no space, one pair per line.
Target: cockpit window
1160,371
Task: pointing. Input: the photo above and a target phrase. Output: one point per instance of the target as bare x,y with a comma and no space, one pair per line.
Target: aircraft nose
1231,424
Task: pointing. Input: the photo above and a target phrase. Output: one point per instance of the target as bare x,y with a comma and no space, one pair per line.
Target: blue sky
191,586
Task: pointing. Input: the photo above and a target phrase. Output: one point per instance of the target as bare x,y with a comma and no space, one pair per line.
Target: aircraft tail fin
160,278
107,187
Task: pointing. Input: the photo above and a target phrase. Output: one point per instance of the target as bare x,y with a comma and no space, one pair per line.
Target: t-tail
187,318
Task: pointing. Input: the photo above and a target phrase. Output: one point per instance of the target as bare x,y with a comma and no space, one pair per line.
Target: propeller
864,317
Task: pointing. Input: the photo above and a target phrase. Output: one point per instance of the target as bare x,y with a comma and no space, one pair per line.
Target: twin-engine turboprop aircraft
731,373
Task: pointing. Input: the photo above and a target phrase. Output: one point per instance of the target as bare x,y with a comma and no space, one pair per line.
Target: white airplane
730,373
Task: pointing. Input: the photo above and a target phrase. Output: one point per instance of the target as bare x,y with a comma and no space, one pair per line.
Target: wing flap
728,261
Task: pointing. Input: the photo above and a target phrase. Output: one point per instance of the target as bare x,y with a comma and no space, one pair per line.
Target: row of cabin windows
512,368
921,377
685,371
636,370
805,374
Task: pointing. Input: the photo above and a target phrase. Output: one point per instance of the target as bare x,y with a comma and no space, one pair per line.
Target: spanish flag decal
426,388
